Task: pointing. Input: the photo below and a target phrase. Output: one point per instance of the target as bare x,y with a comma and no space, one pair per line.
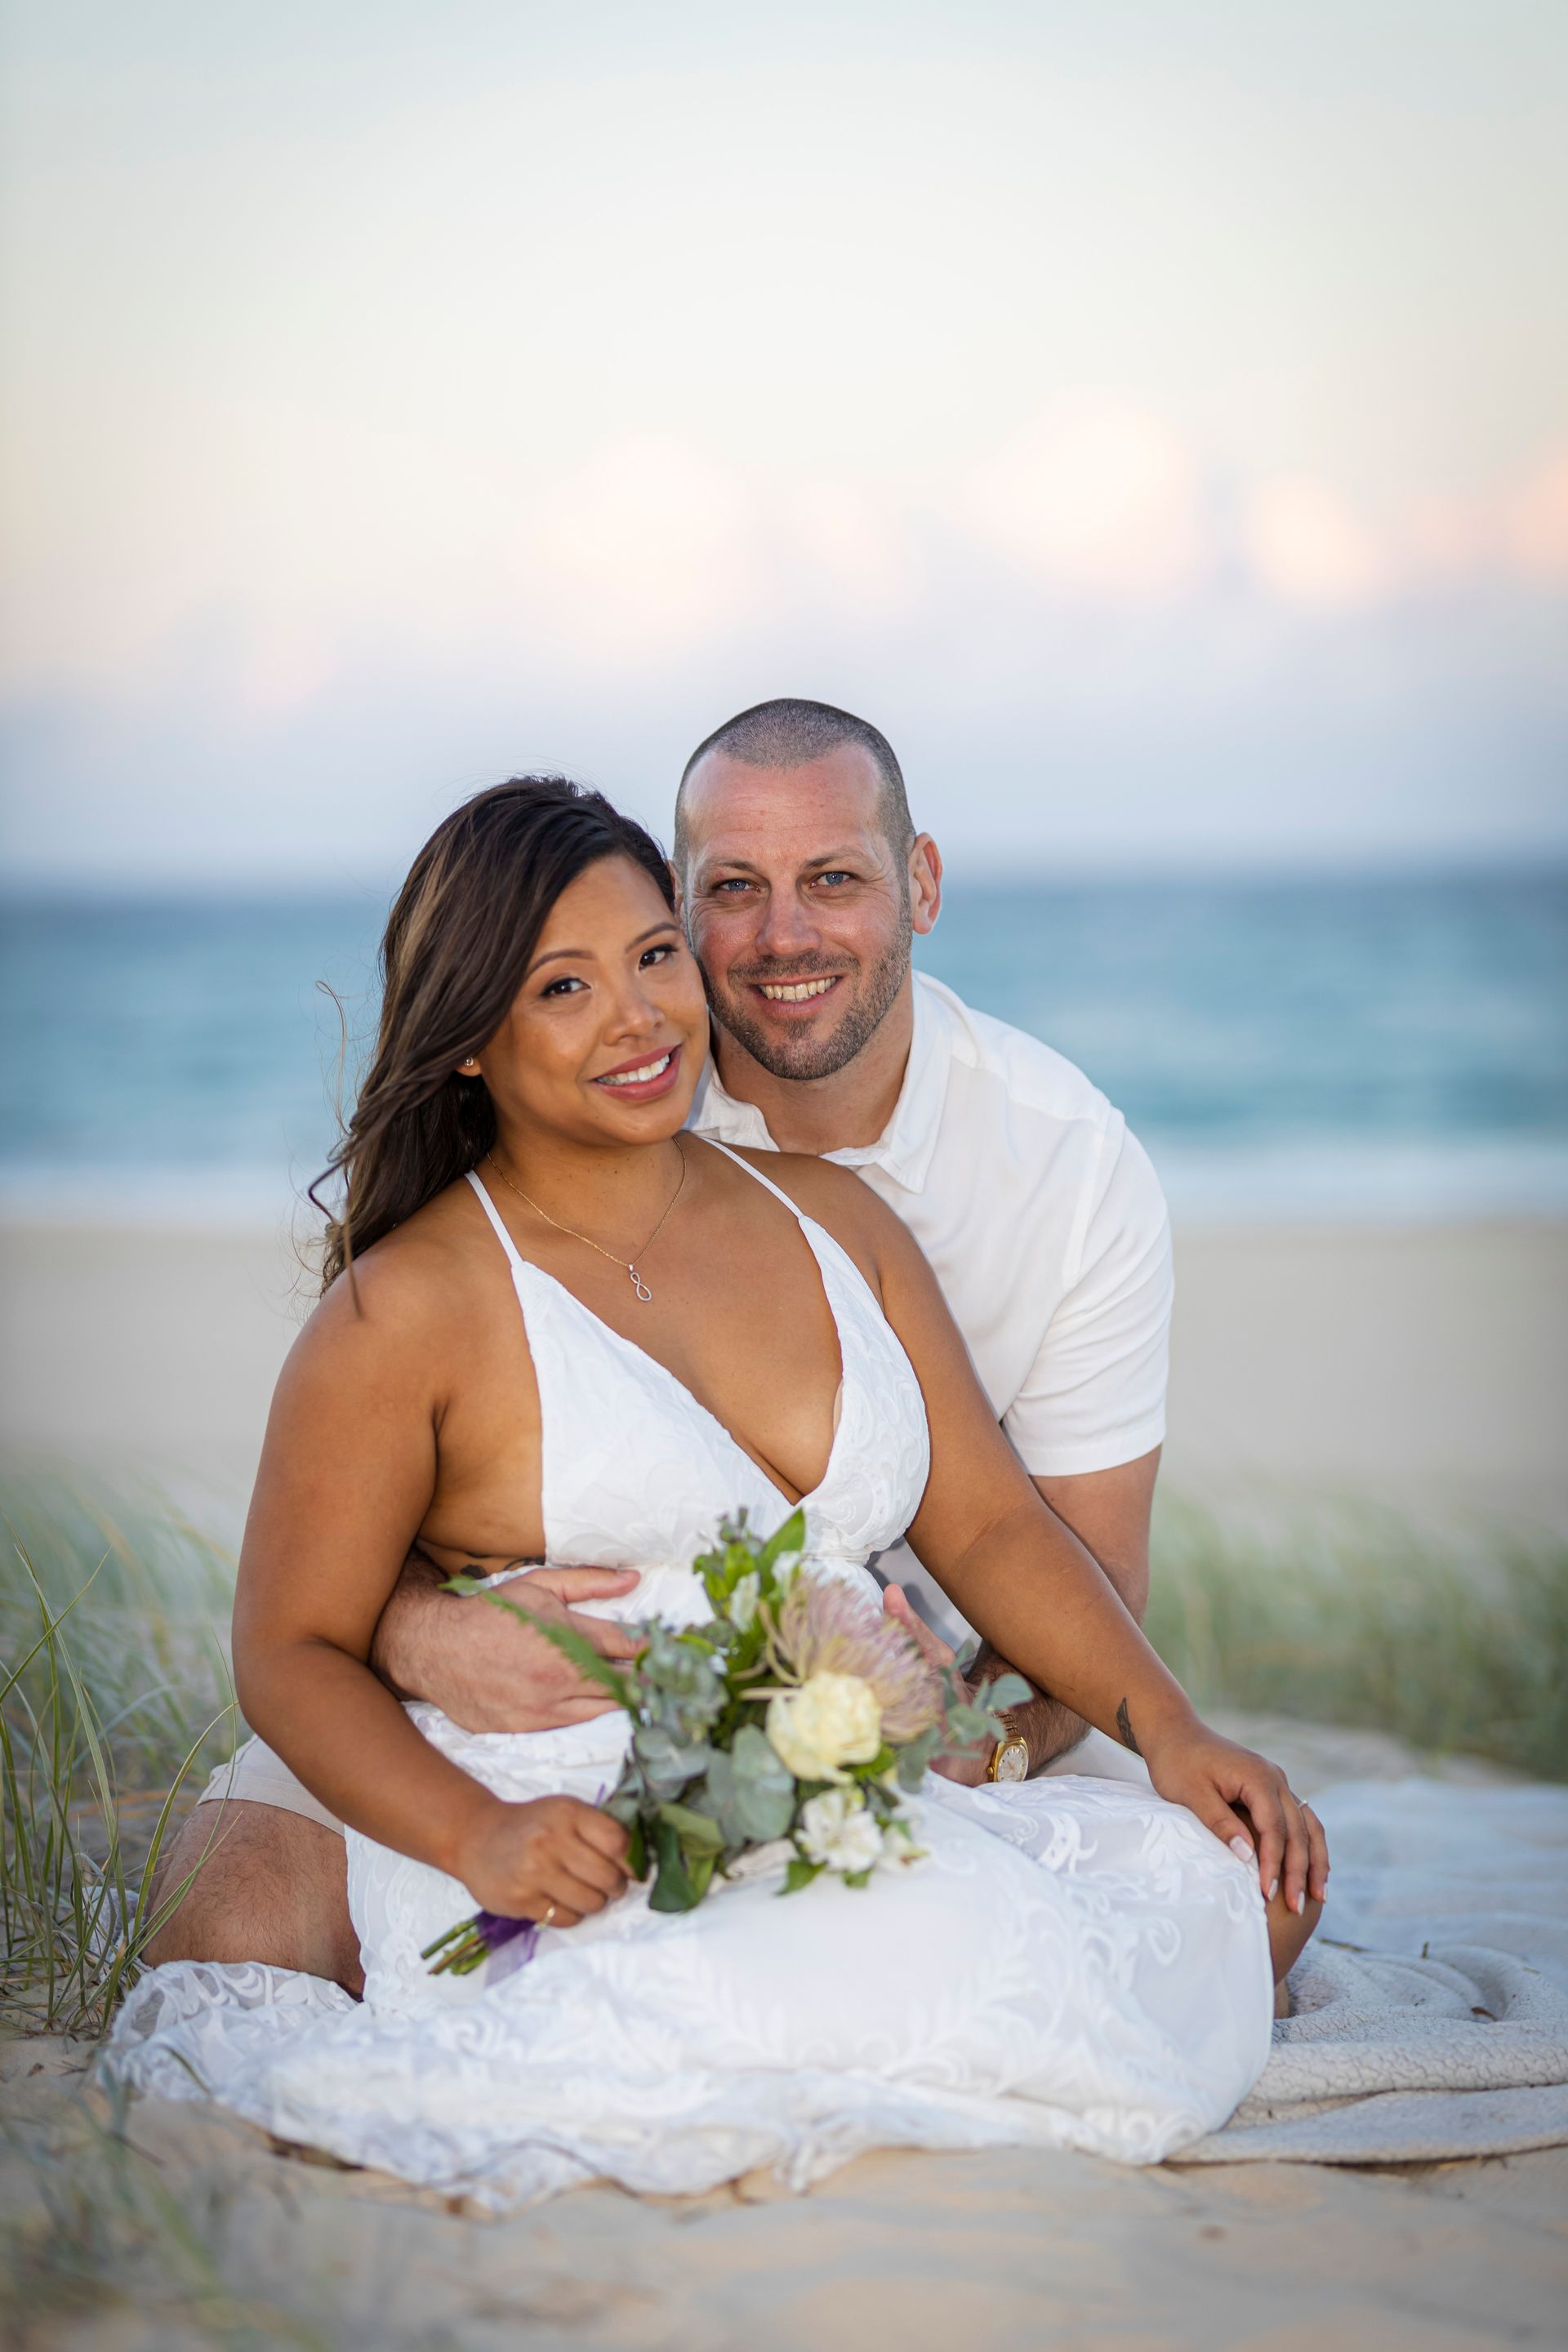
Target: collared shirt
1042,1218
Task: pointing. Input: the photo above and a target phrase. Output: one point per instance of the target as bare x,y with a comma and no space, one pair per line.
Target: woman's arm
1026,1583
348,1472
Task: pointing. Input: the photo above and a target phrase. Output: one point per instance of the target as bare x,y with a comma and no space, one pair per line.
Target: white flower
838,1833
830,1721
743,1602
899,1840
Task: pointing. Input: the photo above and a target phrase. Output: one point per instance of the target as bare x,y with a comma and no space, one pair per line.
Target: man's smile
796,991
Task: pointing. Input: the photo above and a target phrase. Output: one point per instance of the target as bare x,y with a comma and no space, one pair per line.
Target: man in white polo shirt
804,881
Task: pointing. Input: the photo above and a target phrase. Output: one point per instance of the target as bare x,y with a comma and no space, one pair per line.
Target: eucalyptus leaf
914,1760
698,1833
669,1763
1007,1690
750,1790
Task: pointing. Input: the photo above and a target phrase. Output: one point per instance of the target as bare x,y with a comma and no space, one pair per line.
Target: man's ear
676,886
925,883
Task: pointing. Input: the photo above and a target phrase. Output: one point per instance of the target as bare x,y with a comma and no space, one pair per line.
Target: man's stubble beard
817,1057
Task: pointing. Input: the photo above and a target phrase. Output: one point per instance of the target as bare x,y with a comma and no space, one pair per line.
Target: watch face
1013,1764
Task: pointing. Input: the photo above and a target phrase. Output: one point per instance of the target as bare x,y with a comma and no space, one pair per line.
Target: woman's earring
470,1068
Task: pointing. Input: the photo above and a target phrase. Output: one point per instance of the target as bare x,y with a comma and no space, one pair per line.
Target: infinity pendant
639,1286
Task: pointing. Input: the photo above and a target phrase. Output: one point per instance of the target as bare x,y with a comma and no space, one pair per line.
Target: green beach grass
115,1698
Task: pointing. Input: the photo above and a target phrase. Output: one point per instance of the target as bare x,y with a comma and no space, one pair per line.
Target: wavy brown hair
459,940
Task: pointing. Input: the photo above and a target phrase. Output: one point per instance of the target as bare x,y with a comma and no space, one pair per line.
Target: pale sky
1155,417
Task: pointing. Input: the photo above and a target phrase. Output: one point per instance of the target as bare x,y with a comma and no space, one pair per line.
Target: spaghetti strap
766,1183
493,1213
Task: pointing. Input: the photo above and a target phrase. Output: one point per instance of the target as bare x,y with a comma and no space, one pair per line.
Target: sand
1010,2250
1412,1367
1423,1367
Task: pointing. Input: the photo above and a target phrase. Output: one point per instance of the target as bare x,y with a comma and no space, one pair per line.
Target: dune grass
115,1697
1453,1639
114,1691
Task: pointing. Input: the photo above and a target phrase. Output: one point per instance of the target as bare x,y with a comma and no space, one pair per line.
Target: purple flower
473,1941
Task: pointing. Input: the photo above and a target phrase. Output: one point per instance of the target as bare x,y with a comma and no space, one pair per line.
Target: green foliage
1342,1613
749,1791
114,1694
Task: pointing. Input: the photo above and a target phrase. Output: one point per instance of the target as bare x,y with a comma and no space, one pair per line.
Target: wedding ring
548,1914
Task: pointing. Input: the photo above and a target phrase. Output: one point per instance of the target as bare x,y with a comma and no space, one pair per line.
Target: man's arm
481,1667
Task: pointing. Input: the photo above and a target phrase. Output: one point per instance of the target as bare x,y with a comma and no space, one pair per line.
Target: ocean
1348,1050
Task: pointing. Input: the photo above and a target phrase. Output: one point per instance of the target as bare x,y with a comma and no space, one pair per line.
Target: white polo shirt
1044,1222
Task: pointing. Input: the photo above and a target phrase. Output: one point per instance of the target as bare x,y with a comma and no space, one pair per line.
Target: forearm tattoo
1124,1730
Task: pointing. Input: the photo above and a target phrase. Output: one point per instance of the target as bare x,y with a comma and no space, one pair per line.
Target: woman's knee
1290,1932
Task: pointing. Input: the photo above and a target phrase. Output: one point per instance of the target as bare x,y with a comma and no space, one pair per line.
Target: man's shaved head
792,734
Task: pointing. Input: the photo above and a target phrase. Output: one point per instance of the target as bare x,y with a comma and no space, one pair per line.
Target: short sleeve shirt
1042,1219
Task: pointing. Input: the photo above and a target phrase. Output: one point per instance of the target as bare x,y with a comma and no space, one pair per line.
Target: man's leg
265,1885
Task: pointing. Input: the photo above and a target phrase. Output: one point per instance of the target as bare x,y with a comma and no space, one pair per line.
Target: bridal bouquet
798,1712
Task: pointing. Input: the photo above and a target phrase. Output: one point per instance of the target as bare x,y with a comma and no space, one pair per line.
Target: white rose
837,1831
831,1720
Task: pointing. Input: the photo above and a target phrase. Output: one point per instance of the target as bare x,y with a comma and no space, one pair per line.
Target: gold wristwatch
1009,1759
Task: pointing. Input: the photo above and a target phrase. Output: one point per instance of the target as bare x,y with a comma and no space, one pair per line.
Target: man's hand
1049,1728
480,1666
969,1769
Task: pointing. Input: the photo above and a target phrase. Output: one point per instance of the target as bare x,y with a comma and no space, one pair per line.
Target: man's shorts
254,1776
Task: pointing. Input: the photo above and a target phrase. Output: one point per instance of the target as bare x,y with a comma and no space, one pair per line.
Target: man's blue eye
836,875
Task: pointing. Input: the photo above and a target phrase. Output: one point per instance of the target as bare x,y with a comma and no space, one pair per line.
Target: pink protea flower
825,1626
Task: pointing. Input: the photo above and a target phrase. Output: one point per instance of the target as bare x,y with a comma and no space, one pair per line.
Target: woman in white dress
555,1326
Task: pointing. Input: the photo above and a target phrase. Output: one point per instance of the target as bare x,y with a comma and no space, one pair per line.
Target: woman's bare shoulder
421,1283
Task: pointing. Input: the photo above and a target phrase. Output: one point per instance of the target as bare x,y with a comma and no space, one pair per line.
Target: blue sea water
1342,1048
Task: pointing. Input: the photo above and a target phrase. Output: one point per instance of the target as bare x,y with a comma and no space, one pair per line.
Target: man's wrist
399,1651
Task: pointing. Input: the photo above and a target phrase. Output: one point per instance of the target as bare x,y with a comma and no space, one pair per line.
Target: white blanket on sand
1431,2011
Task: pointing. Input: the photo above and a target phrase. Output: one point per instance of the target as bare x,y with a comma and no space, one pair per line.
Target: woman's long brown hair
459,941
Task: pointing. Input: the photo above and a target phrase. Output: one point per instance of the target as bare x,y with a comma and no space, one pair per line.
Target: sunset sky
1155,417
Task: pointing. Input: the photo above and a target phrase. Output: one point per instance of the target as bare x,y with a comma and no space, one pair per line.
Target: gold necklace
638,1284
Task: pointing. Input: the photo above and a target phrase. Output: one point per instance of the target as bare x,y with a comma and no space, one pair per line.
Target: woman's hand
1248,1803
554,1854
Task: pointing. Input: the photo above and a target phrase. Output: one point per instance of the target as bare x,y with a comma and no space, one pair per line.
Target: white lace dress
1075,1963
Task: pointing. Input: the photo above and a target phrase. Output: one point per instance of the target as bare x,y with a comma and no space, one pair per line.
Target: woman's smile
645,1081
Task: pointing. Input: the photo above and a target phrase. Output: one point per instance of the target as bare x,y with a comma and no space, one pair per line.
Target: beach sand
1416,1368
1012,2251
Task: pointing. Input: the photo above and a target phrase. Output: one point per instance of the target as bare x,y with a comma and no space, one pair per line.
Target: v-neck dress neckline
613,1417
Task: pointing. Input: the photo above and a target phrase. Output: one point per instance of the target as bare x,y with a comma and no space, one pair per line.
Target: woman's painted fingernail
1240,1848
1300,1903
1273,1889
